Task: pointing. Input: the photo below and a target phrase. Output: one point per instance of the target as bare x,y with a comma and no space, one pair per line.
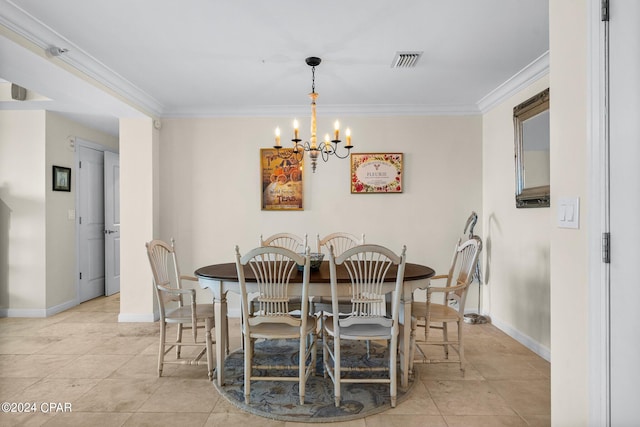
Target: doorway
97,201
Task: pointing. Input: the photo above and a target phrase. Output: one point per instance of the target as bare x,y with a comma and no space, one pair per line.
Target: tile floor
106,372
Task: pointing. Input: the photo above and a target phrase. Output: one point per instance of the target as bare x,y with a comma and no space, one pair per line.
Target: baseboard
37,312
61,307
137,317
523,339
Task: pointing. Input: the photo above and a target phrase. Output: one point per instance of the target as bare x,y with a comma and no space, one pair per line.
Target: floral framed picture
61,178
281,180
376,173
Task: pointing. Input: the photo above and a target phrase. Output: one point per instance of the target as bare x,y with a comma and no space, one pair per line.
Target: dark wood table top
228,272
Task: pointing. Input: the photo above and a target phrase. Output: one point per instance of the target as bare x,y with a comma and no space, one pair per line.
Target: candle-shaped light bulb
348,137
277,137
337,128
295,129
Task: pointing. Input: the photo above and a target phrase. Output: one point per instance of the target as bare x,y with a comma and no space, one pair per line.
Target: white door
112,222
624,84
90,216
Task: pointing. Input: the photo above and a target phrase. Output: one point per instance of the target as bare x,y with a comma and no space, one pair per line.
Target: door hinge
80,276
80,164
604,10
80,220
606,247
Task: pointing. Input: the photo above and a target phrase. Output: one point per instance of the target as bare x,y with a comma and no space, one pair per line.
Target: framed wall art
61,178
281,180
376,173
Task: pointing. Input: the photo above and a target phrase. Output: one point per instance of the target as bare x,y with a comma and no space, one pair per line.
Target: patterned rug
279,399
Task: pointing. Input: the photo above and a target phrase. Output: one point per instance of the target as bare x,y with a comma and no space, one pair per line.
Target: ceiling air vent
406,59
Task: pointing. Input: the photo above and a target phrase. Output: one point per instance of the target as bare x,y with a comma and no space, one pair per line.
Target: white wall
516,264
569,248
210,187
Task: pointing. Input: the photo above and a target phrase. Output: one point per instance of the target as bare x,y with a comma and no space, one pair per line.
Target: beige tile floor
106,372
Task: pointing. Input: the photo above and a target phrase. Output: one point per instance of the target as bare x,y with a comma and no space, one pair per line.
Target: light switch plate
568,212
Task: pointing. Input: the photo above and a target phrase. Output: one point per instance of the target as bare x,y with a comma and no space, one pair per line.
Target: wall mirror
532,136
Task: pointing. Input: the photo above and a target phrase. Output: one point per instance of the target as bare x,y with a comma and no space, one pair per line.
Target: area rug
279,399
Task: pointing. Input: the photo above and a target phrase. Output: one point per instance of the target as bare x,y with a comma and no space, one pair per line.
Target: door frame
598,223
79,142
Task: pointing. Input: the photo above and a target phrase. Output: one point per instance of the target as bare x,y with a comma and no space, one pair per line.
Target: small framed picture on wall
61,178
376,173
281,180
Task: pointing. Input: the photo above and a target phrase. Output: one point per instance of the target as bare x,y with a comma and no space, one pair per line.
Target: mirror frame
532,197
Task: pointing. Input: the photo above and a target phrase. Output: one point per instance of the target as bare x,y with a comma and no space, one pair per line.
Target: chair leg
461,347
209,342
445,336
393,366
227,335
412,344
302,364
248,362
336,369
163,333
179,340
313,345
325,352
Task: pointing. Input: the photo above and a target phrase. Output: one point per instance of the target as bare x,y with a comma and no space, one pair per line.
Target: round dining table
223,278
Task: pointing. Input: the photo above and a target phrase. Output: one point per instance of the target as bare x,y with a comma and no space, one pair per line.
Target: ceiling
246,58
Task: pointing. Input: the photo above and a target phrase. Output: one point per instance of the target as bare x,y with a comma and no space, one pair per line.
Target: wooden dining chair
274,267
431,315
367,320
186,315
340,241
290,241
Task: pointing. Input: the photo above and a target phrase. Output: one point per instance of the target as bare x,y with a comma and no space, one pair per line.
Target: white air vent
405,59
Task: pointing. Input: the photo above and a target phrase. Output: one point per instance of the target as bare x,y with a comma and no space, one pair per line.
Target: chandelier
327,147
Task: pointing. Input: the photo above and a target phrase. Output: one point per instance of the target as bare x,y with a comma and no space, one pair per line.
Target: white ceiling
224,58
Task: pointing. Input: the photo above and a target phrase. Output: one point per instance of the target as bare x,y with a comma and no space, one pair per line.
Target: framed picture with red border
376,173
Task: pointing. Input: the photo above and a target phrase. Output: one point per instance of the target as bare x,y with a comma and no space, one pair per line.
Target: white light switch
71,214
568,212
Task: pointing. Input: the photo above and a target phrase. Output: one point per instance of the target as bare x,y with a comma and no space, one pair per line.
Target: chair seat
183,314
437,312
281,330
358,332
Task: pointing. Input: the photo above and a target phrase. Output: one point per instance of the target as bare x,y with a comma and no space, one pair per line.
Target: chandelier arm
345,155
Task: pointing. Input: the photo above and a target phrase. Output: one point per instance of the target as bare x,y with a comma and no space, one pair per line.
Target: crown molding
522,79
17,20
326,110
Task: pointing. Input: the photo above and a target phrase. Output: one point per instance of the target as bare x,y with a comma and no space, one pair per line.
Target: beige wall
210,187
22,192
139,216
37,239
516,264
569,177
